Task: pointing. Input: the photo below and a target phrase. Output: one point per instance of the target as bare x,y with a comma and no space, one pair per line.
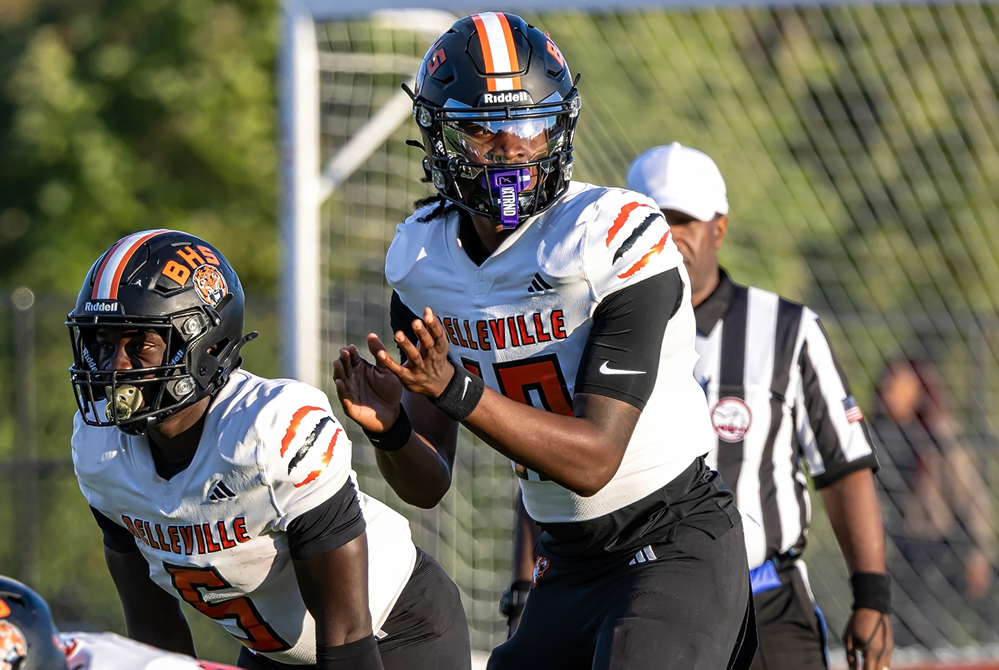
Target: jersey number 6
190,581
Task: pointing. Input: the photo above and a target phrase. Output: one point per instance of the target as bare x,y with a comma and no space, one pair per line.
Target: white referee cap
680,178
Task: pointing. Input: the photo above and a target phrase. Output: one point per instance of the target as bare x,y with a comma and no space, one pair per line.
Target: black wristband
360,655
871,590
462,394
394,438
514,598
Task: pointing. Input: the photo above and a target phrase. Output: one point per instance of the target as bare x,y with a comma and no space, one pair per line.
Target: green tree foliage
123,115
117,116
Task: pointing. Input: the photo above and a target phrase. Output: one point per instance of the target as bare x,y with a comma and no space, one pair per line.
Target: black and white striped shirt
778,401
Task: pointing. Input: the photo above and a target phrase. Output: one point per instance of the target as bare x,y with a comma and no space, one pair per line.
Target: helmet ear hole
219,347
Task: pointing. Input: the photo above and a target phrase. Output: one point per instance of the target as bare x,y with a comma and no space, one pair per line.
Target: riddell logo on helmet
506,98
100,306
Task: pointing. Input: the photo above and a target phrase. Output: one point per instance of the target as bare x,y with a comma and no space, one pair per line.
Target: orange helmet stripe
499,52
109,274
487,54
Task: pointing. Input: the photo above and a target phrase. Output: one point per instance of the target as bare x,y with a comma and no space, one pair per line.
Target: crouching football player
232,492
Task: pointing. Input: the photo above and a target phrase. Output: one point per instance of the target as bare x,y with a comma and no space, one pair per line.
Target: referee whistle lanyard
764,578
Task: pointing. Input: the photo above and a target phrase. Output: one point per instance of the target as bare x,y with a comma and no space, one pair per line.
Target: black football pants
792,636
688,608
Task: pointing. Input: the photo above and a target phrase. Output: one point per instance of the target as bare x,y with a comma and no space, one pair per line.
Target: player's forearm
152,615
581,453
855,515
166,629
417,473
334,587
420,472
525,538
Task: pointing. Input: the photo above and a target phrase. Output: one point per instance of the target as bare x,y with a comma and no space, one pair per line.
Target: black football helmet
497,109
29,639
177,285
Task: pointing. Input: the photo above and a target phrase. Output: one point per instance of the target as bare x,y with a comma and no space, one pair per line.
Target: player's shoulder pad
294,432
625,239
94,448
410,243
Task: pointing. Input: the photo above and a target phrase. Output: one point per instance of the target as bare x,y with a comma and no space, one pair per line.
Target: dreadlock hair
442,207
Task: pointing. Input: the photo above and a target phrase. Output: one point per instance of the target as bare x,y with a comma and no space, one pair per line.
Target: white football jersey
215,535
521,321
108,651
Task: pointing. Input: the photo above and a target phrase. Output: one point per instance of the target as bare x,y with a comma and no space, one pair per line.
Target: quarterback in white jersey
228,491
553,320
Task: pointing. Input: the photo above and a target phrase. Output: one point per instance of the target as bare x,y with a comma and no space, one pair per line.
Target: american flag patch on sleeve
853,413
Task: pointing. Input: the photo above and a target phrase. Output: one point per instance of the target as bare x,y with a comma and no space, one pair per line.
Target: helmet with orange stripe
28,636
497,108
179,303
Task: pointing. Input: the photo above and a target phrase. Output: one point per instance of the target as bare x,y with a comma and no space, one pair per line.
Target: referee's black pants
667,589
792,632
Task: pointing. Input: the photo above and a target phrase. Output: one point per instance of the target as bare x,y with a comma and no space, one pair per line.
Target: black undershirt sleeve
621,356
401,318
116,538
328,526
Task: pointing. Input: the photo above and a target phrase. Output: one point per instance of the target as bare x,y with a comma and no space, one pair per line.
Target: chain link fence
860,144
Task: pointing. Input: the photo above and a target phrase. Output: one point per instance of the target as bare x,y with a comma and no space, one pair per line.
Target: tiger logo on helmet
210,284
13,646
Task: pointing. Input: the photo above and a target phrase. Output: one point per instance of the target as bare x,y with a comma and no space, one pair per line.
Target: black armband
462,394
871,590
396,437
360,655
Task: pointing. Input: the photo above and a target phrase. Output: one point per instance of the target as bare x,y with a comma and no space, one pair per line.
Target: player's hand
868,640
427,370
369,394
977,575
513,624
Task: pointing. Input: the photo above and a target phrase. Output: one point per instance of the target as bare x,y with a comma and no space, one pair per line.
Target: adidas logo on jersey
220,492
646,555
539,285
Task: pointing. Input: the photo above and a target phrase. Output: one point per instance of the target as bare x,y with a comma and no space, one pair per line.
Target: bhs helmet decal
497,108
178,286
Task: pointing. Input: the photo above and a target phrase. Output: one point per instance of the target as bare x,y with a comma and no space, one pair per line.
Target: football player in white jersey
552,318
232,492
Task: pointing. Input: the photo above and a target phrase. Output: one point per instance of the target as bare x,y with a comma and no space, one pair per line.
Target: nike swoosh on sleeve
605,370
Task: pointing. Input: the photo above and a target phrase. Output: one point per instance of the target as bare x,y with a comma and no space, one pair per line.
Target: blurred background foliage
860,145
117,116
122,115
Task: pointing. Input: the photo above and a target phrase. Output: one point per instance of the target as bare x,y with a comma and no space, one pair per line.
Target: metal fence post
27,515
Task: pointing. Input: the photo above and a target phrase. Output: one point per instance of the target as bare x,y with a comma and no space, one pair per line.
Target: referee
779,401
